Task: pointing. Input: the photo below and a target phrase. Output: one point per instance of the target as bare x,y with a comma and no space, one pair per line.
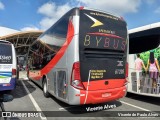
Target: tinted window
49,43
102,44
60,28
143,40
55,37
102,31
5,53
39,56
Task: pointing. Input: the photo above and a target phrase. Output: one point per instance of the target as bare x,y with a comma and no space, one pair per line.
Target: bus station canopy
144,38
22,40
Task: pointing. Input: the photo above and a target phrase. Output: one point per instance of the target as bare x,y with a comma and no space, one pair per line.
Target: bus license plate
4,80
106,95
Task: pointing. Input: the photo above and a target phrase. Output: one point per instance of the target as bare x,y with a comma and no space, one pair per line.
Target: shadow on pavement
20,91
147,99
95,110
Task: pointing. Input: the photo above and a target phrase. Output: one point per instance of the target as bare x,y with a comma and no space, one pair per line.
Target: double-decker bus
82,58
8,66
144,41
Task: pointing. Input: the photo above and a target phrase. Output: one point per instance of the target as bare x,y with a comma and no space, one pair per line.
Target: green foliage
145,55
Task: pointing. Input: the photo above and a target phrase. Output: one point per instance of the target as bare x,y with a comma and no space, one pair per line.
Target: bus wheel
45,88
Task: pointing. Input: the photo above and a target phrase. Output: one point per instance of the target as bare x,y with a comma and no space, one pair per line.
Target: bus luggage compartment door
62,84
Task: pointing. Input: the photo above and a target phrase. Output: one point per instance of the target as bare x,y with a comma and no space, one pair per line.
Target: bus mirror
6,98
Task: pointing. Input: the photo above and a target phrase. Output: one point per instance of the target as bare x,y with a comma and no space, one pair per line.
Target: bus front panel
102,50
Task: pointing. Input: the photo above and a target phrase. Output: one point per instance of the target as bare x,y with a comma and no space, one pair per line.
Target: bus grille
103,54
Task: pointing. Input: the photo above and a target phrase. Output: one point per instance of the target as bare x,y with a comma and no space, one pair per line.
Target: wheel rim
45,87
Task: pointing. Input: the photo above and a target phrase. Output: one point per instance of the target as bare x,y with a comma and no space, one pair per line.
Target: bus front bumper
101,96
8,86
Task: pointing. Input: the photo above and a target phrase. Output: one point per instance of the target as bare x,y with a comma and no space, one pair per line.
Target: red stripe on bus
61,52
103,34
36,75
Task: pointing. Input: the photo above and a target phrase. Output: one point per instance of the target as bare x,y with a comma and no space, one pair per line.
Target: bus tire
45,88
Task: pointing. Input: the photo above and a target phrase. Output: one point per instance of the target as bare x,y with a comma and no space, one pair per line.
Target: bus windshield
102,40
5,53
102,31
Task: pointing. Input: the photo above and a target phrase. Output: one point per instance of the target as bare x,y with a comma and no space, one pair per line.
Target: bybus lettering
105,42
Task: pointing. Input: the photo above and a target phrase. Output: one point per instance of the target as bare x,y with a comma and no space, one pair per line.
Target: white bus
144,41
82,58
8,66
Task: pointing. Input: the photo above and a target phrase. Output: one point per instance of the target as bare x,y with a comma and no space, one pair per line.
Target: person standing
139,64
138,67
153,68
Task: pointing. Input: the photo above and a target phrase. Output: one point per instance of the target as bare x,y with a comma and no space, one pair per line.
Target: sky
26,15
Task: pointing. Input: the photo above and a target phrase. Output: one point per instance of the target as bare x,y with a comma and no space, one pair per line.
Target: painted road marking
138,107
134,106
64,108
33,100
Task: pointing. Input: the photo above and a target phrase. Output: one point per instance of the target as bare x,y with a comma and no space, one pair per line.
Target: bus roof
144,38
4,41
113,14
146,27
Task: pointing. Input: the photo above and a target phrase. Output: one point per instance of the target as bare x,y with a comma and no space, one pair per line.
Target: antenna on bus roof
121,18
81,8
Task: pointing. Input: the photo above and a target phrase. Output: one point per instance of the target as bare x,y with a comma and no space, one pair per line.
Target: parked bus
81,59
8,66
145,42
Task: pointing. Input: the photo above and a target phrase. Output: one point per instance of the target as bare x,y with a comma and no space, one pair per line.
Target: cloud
150,1
119,7
23,2
29,28
47,9
157,10
1,6
52,13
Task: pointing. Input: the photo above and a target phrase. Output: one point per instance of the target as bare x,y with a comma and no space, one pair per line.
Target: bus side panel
59,85
64,67
73,52
72,56
14,66
61,69
6,80
131,71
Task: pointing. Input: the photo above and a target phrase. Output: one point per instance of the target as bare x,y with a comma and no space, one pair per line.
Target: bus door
55,83
61,86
